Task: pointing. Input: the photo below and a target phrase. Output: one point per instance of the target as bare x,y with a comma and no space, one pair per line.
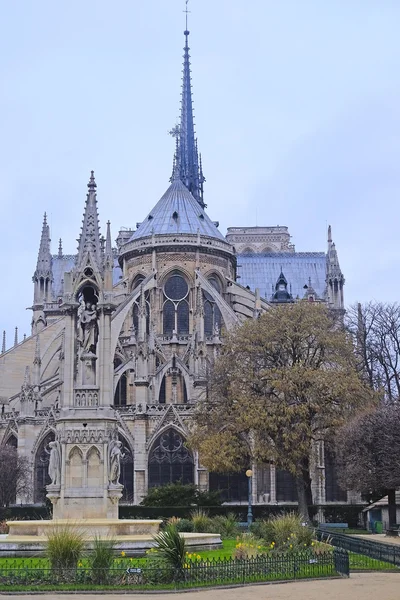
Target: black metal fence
364,554
33,573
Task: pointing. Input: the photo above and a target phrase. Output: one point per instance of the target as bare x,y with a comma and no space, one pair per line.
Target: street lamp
249,475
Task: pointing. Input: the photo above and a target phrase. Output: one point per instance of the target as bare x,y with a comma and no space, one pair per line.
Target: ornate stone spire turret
60,250
334,276
43,276
43,266
89,239
3,345
186,161
16,337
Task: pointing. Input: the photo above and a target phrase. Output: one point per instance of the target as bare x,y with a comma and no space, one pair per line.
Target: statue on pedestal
55,463
88,327
115,455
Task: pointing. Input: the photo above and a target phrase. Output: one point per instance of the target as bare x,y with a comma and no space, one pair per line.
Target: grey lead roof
177,212
262,271
60,265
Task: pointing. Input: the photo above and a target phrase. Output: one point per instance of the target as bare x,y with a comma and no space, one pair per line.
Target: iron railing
364,554
31,573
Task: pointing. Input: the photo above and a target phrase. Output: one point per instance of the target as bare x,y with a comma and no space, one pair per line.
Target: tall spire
3,345
43,265
108,254
186,161
89,240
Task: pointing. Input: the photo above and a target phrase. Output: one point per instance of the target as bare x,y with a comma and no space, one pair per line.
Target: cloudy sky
297,115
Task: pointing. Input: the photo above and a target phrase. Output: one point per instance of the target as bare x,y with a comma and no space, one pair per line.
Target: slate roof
61,265
175,213
262,271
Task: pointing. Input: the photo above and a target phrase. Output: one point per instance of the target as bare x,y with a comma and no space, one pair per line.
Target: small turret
334,276
43,276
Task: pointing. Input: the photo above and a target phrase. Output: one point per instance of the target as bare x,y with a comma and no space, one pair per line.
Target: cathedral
127,332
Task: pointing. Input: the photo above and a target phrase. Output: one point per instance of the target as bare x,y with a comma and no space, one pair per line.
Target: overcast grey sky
297,116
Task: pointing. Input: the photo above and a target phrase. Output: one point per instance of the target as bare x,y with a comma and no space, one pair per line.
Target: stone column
140,481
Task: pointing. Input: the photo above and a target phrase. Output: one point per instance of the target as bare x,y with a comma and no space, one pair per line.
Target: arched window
12,441
173,389
170,461
333,491
212,315
41,468
162,395
176,306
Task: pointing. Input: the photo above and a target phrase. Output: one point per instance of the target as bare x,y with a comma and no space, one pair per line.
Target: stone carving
55,463
115,455
82,436
88,328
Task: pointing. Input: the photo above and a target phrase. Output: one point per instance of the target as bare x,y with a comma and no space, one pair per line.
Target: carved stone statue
115,455
55,463
89,329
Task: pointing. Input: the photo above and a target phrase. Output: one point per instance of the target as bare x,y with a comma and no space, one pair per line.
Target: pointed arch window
176,305
170,461
173,389
333,491
212,315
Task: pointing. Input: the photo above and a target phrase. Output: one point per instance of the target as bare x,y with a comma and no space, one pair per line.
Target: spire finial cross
186,11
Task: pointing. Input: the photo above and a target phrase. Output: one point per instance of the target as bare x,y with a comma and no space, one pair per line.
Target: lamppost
249,475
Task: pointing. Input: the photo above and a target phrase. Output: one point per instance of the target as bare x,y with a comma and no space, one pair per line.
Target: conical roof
177,212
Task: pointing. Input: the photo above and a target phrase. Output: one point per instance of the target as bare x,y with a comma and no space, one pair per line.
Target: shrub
247,546
64,549
225,525
185,525
101,558
201,521
177,494
170,547
286,531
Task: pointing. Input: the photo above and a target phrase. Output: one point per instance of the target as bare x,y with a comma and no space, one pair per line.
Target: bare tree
15,475
368,450
376,330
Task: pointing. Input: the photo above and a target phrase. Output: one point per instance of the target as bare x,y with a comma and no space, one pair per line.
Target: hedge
340,513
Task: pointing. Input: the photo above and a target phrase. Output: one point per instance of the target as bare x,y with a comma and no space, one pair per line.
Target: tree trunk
392,508
302,496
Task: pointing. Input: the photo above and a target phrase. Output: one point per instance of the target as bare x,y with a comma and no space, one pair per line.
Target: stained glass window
170,461
176,307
